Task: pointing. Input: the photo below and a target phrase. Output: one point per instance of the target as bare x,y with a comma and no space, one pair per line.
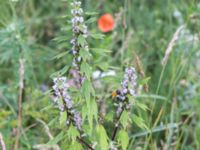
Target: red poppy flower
106,23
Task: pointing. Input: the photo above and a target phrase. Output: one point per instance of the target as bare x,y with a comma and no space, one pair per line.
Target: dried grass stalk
21,94
171,45
141,71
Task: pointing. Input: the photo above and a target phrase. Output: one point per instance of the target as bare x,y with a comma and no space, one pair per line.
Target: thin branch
21,97
85,143
116,126
47,130
3,146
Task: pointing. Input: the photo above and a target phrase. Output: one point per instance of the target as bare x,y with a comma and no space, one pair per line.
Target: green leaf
124,119
84,112
123,139
64,70
97,36
144,81
61,39
92,112
86,69
60,72
87,90
100,51
73,133
75,146
140,105
63,118
102,138
85,54
60,55
139,121
94,109
91,20
81,40
56,139
103,65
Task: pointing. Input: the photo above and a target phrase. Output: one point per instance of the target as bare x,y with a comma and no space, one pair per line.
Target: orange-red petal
106,23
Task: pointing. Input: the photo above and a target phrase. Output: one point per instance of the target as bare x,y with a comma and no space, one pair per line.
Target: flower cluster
78,25
128,87
64,101
78,28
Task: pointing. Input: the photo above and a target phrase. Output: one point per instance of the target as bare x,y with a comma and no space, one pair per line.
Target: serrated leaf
91,20
124,119
84,54
73,133
61,39
100,51
123,138
60,55
75,146
102,138
144,81
62,118
92,112
81,40
87,90
94,109
64,70
97,36
140,105
56,139
86,69
139,122
84,112
60,72
103,65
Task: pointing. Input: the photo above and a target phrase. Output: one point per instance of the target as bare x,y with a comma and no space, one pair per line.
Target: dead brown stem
20,98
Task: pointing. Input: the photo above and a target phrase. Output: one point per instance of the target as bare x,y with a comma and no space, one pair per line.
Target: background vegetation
37,30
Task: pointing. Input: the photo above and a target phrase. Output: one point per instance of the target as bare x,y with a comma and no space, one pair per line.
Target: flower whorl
128,87
78,28
61,92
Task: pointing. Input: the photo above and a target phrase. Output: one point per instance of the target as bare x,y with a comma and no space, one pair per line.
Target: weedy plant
74,95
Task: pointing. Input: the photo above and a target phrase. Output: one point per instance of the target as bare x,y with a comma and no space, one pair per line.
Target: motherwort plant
79,71
79,44
128,88
66,104
77,99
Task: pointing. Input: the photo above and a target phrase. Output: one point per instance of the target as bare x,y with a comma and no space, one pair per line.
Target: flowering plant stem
71,120
116,126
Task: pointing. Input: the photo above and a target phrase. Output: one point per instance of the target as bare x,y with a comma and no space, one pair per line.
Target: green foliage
167,116
123,138
125,119
102,138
